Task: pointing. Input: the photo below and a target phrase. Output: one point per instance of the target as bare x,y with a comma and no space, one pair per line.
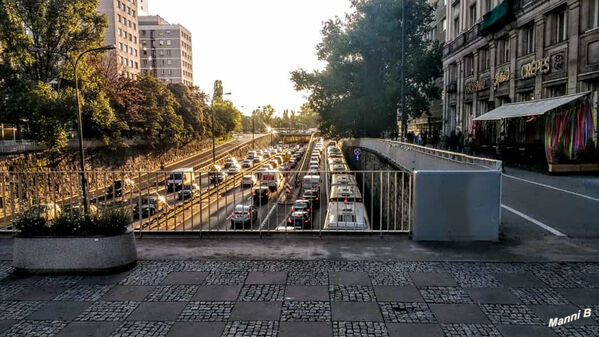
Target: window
488,5
468,65
560,26
483,57
445,23
472,15
528,39
120,46
456,27
168,42
168,62
503,50
595,14
120,32
453,74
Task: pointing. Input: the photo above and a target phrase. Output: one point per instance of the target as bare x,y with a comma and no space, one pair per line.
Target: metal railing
449,155
199,204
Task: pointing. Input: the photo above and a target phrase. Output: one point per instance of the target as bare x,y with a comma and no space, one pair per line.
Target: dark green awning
497,17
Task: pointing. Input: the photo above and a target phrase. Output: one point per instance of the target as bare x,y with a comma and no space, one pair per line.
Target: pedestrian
500,149
460,142
469,144
424,138
436,139
419,139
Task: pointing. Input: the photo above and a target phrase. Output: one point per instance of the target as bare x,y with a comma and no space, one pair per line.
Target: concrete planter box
74,254
567,168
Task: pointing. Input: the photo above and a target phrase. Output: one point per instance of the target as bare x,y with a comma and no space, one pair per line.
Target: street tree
38,39
358,92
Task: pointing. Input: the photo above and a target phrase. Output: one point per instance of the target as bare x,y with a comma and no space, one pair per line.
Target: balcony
497,17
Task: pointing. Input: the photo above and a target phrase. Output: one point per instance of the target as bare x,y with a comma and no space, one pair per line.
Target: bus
348,193
346,216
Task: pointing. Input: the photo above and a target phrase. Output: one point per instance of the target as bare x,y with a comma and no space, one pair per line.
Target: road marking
534,221
553,188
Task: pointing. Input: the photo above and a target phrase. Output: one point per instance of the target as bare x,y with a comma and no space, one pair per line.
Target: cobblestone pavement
305,298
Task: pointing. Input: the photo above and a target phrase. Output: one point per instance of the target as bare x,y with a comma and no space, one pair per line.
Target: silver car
244,216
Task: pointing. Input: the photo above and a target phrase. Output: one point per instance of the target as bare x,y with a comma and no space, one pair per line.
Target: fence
203,202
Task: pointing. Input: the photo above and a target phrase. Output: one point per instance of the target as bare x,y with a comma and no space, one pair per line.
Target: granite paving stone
256,311
414,330
403,312
157,311
518,280
127,293
83,293
142,329
395,278
517,314
359,329
262,292
191,329
10,290
185,277
445,295
356,311
251,328
35,328
492,295
306,311
526,331
352,293
459,313
539,296
39,293
577,330
221,277
546,312
470,330
349,278
303,329
397,294
88,329
580,295
209,311
266,277
104,279
423,279
307,293
108,311
6,323
475,279
307,276
217,293
172,293
60,280
18,309
59,311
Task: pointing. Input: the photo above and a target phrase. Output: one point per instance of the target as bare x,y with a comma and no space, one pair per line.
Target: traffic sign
357,151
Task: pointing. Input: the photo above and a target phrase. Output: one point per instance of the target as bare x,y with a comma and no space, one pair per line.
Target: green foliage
32,223
192,107
74,223
226,116
359,90
160,123
59,30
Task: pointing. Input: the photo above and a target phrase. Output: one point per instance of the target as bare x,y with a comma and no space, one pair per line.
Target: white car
234,169
249,180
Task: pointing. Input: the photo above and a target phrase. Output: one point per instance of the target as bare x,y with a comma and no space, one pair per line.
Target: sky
252,45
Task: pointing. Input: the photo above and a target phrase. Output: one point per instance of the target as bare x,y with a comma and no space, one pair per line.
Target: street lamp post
75,65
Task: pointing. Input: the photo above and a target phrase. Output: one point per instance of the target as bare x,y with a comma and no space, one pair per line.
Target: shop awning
531,108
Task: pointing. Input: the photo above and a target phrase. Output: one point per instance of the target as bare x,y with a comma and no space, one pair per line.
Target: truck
271,179
180,177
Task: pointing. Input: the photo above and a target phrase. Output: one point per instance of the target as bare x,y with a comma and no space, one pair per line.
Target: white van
272,179
180,177
311,182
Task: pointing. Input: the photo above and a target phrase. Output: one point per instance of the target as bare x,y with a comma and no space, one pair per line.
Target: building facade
433,120
122,31
499,52
142,7
166,50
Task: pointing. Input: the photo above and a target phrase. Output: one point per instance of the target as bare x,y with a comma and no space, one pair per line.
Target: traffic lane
572,215
584,184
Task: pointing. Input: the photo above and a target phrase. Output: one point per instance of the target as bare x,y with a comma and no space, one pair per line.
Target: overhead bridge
295,136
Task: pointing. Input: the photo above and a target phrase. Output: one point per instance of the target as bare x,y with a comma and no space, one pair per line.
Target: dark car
299,220
301,205
313,196
149,206
217,177
119,187
261,195
189,191
244,216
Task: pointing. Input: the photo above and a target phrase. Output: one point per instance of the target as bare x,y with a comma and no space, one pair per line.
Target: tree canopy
358,92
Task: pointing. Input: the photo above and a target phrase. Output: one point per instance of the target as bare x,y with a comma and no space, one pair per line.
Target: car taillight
307,210
289,220
306,221
248,213
254,193
316,198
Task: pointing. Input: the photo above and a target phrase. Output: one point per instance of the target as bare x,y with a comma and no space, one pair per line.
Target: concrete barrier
455,197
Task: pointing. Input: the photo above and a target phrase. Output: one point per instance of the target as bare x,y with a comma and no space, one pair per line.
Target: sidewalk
305,286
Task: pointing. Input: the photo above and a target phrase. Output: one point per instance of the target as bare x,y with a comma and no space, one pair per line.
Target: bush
105,223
